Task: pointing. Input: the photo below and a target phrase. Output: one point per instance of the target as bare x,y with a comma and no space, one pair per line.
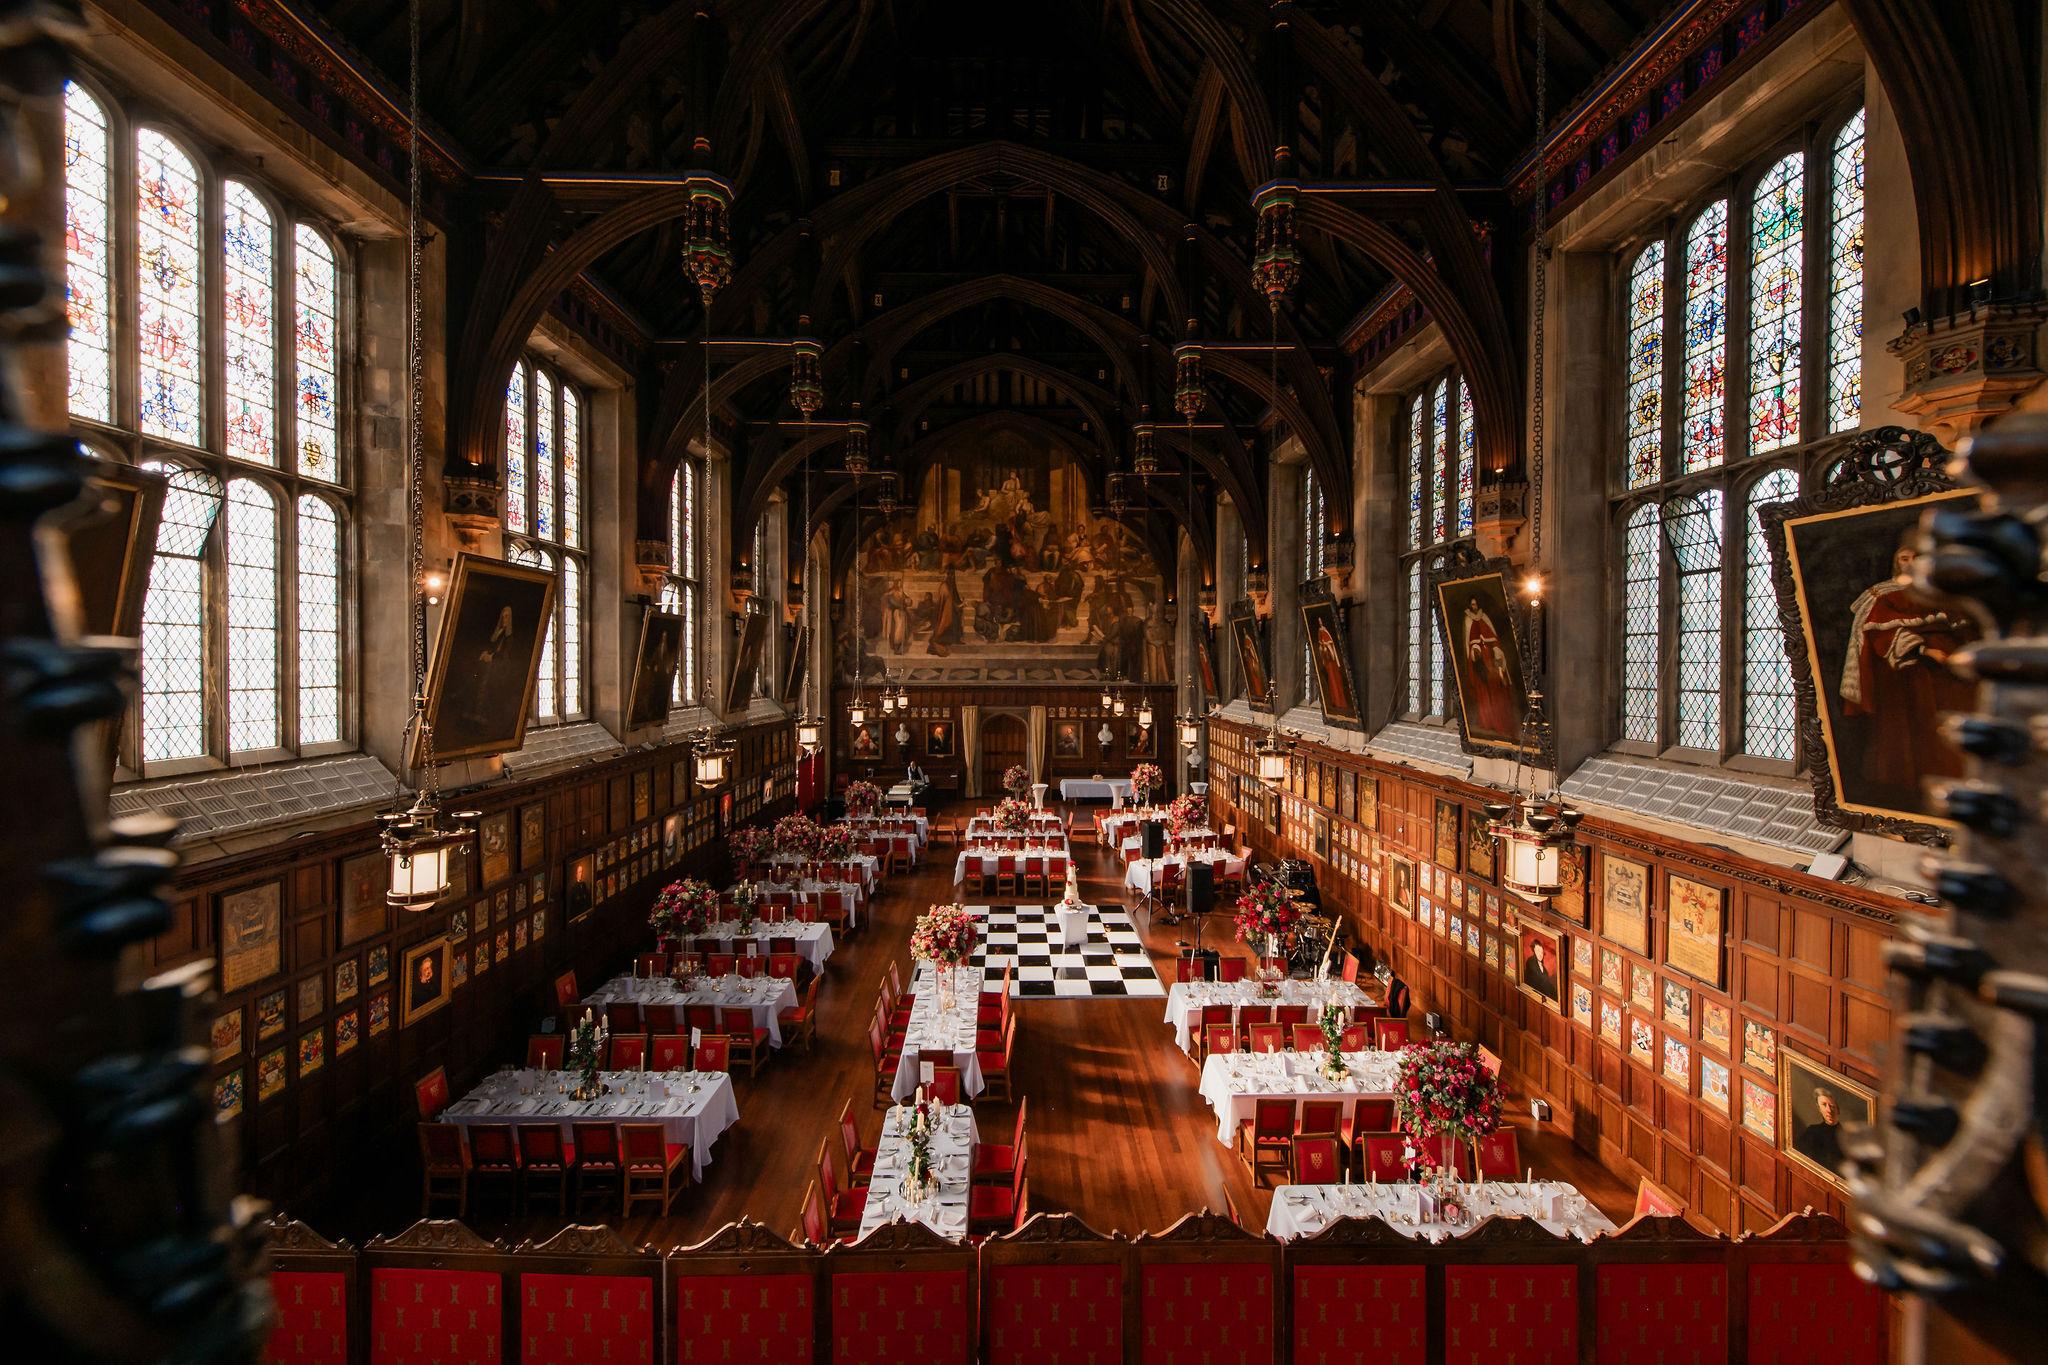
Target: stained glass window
682,514
1845,278
572,636
249,314
544,456
548,689
174,648
1643,399
167,216
1417,488
1777,236
1468,458
88,255
1415,638
1439,462
1706,337
319,588
515,451
1769,716
1641,625
1693,527
315,303
252,551
572,466
1315,530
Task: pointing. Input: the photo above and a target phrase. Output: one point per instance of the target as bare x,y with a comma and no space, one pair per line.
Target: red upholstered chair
1264,1138
444,1167
799,1023
748,1043
1006,874
660,1019
1525,1313
1446,1153
648,966
493,1160
860,1161
1373,1114
566,994
1384,1160
1490,1059
783,965
998,1208
626,1052
1307,1037
1499,1155
652,1168
781,943
944,1086
843,1208
721,964
1654,1201
1187,969
888,1061
712,1053
752,965
996,1066
597,1161
1320,1118
1367,1015
1357,1038
996,1162
671,1052
1815,1313
1317,1161
622,1016
544,1162
421,1313
1351,968
313,1285
1218,1038
1338,1306
1287,1016
1635,1322
701,1018
1266,1038
1390,1035
1249,1015
430,1094
816,1230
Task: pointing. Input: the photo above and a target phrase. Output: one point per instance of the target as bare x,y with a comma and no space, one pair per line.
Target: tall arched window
543,419
681,593
1315,531
1442,486
1710,436
243,640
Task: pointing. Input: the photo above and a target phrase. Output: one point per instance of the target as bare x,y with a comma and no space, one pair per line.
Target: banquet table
765,996
1095,788
939,1030
976,856
1184,1000
984,826
866,865
1234,1082
952,1153
850,894
1200,837
1304,1210
1140,873
893,824
813,941
1114,829
692,1107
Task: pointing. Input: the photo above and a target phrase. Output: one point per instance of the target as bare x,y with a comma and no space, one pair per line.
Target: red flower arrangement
834,843
749,845
944,934
862,798
683,908
796,834
1443,1090
1146,779
1012,815
1266,910
1186,813
1016,780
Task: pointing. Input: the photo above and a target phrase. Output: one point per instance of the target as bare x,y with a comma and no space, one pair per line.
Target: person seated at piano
919,783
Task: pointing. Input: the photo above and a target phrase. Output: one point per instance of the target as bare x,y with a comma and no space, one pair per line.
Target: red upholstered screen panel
1662,1315
573,1319
312,1317
1346,1313
1511,1315
741,1318
1813,1315
1208,1314
894,1316
428,1317
1056,1315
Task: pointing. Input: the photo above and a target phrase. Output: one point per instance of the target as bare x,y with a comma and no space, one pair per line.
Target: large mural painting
999,573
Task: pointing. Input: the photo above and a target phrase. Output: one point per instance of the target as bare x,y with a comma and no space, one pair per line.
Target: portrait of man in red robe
1895,675
1489,678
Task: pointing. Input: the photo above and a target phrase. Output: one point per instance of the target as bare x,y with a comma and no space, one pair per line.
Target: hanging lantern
1108,697
1190,727
856,446
1276,252
806,374
1271,753
713,756
707,234
810,734
857,710
417,846
903,698
1533,835
1145,713
1188,397
1119,706
1144,450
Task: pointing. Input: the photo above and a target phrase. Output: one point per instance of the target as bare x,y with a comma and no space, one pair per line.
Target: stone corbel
1968,369
471,504
1339,555
1205,601
792,603
650,563
742,589
1256,587
1500,516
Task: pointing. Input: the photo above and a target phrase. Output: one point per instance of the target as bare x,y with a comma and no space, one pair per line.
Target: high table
940,1030
1304,1210
692,1107
765,996
1095,789
952,1153
1234,1082
1184,1000
813,941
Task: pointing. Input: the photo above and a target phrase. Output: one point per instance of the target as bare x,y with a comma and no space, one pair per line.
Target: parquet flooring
1119,1134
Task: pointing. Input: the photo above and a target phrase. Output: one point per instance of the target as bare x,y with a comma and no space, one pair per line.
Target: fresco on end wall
999,573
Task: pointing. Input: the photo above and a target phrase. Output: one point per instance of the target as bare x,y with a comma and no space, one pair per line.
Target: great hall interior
1089,681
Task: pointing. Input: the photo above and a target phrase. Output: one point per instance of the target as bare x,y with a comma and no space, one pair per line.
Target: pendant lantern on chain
857,447
807,376
1188,397
707,233
1276,252
1144,450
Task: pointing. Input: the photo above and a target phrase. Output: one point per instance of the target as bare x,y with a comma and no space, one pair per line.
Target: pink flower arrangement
1012,815
944,934
749,845
796,834
1146,779
1443,1090
683,908
1016,780
1265,910
834,843
1186,813
862,798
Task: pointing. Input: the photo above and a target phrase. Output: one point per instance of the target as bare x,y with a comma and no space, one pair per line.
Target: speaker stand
1174,914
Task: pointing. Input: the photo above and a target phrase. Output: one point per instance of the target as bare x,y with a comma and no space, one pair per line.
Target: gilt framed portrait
251,932
1625,903
494,840
423,988
746,659
866,742
1401,884
1368,801
1478,628
1248,647
533,835
487,656
1869,652
1696,916
1329,656
939,738
1478,848
1818,1107
1449,843
1066,739
654,669
1542,971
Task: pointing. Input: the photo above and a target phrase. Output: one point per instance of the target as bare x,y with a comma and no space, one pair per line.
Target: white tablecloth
1234,1082
1139,875
984,826
1184,1000
888,824
942,1030
975,856
693,1107
849,894
766,996
813,941
1304,1210
952,1151
1099,789
1073,922
865,865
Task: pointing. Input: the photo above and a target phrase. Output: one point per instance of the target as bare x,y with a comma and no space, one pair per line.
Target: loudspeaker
1151,839
1201,881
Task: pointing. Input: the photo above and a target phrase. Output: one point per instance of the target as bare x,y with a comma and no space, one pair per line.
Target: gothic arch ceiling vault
987,209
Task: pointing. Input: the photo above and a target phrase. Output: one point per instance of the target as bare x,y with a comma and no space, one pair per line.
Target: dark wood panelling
1063,702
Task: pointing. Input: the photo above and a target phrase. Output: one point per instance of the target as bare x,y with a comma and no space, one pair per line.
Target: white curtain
1034,744
970,750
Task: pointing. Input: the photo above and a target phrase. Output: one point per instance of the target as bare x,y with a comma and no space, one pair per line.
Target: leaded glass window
1769,716
1443,475
544,515
249,336
1641,645
316,302
683,586
547,692
1315,524
252,554
572,467
1706,337
515,452
1439,462
175,647
1644,398
1416,643
319,589
88,255
1468,459
167,255
1845,278
1777,237
544,524
1418,486
1692,526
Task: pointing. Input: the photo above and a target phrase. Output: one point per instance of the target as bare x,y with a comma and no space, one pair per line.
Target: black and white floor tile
1112,963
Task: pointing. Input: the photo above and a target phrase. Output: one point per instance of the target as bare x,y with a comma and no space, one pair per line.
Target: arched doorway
1002,743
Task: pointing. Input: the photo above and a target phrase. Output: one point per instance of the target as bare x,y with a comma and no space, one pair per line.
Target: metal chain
810,588
1542,288
429,778
710,679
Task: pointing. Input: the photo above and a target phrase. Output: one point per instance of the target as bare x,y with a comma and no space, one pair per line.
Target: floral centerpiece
797,836
1016,780
1331,1019
1444,1090
862,798
1268,918
834,843
682,909
749,845
1146,779
1011,815
944,936
1184,813
920,1172
745,897
586,1055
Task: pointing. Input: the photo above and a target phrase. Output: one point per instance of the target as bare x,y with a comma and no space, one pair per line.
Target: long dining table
692,1107
813,939
934,1029
1184,1000
953,1143
766,997
1557,1205
1234,1082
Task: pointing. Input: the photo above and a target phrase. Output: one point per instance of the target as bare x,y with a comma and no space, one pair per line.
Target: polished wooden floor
1119,1135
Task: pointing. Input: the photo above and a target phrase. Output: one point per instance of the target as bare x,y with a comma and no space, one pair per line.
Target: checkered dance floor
1112,963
